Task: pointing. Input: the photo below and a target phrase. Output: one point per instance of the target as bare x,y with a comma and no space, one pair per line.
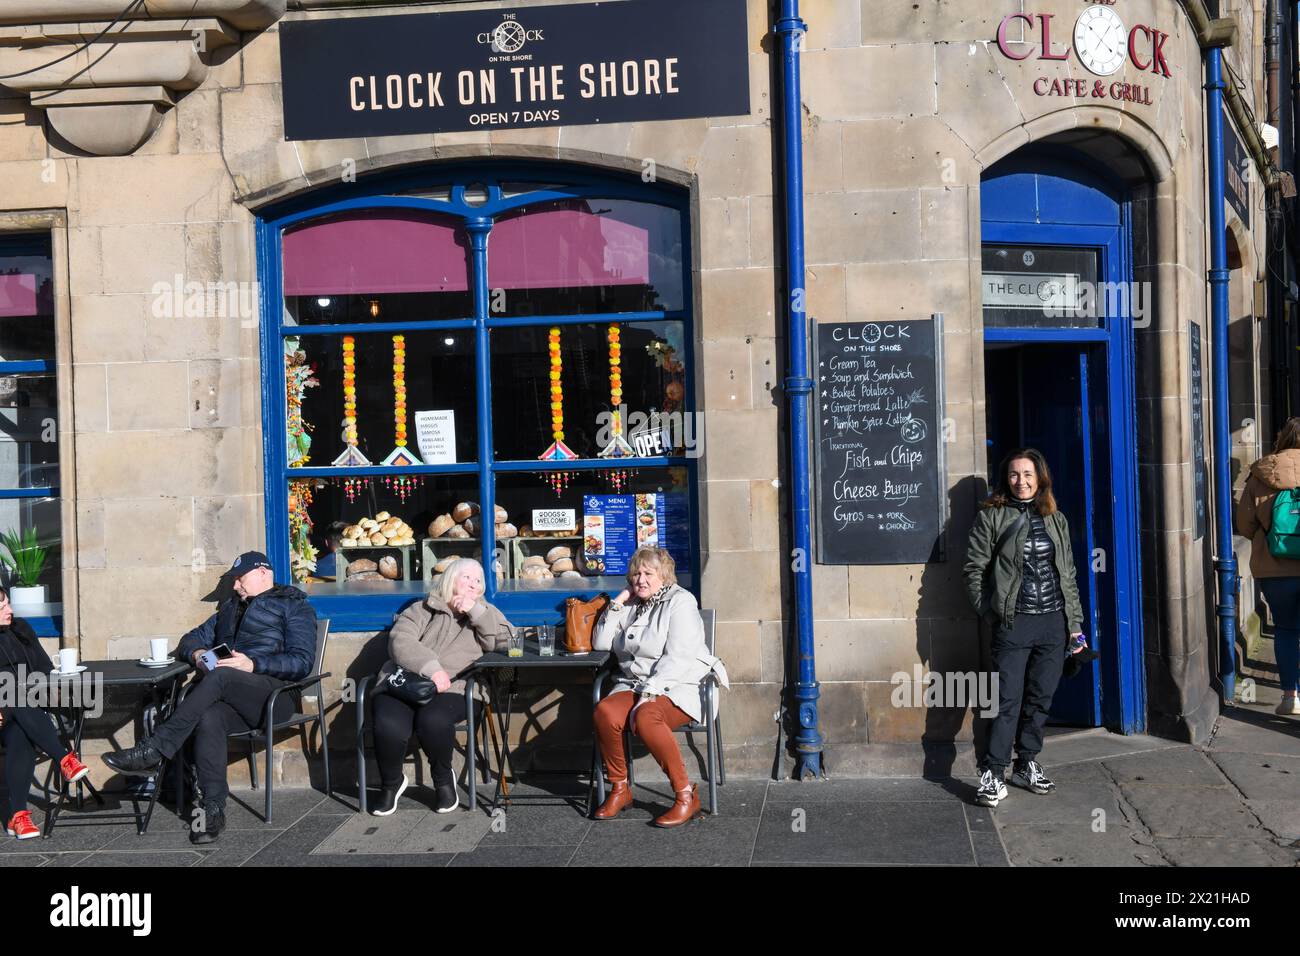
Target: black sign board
1200,477
1237,170
514,68
878,459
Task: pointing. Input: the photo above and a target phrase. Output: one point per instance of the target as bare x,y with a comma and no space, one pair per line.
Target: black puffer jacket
1040,584
19,645
277,633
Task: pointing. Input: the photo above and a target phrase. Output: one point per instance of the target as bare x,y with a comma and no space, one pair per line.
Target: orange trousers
654,724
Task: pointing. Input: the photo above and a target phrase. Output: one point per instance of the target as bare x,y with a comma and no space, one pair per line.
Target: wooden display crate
345,556
522,548
433,550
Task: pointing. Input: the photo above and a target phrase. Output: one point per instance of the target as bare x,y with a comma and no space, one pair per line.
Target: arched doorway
1060,304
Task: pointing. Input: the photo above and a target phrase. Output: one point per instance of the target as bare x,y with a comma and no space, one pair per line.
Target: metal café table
162,684
500,674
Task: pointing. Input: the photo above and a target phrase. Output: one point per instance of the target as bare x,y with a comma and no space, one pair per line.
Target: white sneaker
992,790
1288,707
387,802
1030,775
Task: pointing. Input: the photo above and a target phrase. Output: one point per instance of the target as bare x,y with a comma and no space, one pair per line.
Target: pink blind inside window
18,295
386,250
566,247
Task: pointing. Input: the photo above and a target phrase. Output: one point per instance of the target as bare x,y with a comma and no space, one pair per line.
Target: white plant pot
27,597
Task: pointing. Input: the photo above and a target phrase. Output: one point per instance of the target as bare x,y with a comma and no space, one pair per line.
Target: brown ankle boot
620,796
686,808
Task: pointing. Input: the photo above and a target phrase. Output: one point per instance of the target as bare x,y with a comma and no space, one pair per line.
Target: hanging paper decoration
302,554
400,455
351,453
618,446
558,450
298,377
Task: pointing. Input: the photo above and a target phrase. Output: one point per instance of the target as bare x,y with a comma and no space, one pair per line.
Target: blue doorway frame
1045,197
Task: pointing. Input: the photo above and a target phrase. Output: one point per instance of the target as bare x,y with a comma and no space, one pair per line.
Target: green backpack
1284,532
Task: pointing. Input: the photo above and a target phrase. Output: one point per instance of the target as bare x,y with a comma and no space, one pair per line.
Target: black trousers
1028,659
26,729
434,722
225,700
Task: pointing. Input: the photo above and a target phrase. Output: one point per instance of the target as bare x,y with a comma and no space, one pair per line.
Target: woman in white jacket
656,633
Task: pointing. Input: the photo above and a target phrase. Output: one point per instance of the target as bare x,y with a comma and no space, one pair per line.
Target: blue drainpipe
798,390
1226,564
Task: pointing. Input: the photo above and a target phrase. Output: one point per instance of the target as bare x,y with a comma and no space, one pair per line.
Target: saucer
149,662
58,673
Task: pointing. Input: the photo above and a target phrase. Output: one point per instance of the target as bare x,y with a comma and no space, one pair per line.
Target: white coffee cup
67,659
157,648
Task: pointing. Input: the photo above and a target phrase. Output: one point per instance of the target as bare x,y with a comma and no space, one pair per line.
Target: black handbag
410,688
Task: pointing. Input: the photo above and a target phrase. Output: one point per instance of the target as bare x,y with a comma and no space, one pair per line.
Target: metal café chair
711,727
477,713
265,734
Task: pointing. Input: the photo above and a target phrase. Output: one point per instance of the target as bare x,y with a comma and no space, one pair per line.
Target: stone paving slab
1281,817
1262,776
853,832
1225,852
1211,812
1049,846
1184,767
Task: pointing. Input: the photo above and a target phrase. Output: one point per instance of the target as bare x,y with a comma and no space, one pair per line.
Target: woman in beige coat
436,638
1279,578
657,636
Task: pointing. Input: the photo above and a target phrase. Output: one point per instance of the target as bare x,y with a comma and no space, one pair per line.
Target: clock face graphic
1099,40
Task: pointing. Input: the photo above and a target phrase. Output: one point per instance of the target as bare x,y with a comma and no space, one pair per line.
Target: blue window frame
492,331
29,450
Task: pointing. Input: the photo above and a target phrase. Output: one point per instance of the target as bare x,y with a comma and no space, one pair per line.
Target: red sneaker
21,826
72,768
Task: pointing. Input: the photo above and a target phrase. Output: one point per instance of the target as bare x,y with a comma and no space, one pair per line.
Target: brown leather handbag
580,619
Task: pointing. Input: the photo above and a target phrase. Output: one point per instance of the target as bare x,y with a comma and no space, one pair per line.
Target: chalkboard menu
1200,478
879,452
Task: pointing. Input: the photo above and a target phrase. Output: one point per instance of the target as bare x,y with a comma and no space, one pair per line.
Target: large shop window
30,523
446,346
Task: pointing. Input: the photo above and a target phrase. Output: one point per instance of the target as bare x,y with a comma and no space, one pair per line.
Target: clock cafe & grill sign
1101,41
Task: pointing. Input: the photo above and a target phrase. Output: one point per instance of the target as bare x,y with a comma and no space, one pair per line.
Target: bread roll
388,567
535,560
392,524
366,576
472,527
360,566
382,516
557,553
406,539
535,572
570,574
466,509
444,564
526,531
441,525
501,514
377,538
457,532
352,531
506,530
564,564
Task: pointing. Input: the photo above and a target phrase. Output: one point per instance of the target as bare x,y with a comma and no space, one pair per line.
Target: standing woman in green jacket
1020,575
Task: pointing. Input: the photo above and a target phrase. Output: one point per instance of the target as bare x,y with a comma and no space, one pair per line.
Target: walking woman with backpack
1269,514
1020,577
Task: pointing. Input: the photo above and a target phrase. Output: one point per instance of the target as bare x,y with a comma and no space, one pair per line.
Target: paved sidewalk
1122,801
1133,801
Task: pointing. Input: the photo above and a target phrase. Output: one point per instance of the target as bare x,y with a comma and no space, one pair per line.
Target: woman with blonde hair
436,639
656,633
1278,575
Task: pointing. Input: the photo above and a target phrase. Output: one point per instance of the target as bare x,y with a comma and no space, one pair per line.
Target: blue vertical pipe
1226,563
478,229
798,390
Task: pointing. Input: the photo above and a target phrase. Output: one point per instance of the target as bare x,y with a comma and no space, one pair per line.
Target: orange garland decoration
350,390
399,389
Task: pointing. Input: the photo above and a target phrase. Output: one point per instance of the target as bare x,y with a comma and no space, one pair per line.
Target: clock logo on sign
1100,40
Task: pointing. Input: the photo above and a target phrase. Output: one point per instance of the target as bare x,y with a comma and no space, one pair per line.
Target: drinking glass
546,640
516,646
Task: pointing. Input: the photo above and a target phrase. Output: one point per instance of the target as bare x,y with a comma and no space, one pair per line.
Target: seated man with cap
270,631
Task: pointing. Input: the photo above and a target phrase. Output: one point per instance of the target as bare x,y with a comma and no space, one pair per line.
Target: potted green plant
26,560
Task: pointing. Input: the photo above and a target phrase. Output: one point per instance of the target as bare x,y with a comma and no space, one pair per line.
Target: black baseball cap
249,561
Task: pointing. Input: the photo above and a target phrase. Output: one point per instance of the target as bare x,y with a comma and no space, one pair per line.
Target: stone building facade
149,159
